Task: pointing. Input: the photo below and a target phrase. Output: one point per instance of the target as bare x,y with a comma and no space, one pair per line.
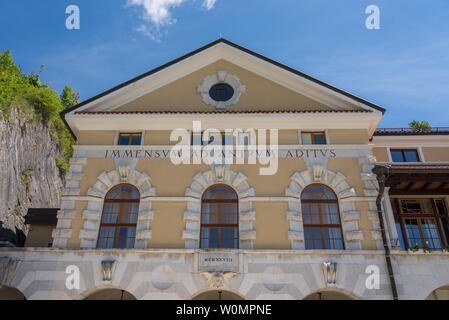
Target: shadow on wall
217,295
10,238
441,293
331,295
110,294
9,293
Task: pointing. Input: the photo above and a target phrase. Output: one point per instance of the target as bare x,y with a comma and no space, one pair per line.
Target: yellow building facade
224,174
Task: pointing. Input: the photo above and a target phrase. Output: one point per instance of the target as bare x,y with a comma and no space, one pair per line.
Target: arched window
322,226
119,219
219,218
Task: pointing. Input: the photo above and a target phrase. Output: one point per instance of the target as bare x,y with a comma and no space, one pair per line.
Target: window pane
220,192
136,139
205,233
306,138
219,208
411,156
320,209
121,243
121,201
318,192
396,156
401,238
413,234
318,138
130,243
430,233
123,192
107,237
123,140
412,206
439,204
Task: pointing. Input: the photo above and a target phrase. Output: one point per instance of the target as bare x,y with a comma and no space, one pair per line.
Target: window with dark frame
219,218
221,92
309,138
130,139
404,155
321,218
199,137
119,218
421,223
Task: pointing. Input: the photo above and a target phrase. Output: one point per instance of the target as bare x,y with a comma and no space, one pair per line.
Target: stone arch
201,182
216,294
333,293
105,182
345,193
106,292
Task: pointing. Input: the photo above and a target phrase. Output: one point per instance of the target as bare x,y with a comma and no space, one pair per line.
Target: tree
69,97
420,125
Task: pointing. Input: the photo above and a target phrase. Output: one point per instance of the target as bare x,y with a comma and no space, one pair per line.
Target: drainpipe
382,173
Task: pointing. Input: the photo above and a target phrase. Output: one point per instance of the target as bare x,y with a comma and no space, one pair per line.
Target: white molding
390,159
280,147
221,77
346,195
192,215
421,154
152,121
106,181
409,145
238,57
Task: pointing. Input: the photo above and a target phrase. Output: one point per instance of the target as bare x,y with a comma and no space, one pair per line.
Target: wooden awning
416,179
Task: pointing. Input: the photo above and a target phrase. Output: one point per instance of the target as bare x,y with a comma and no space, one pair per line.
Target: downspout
382,173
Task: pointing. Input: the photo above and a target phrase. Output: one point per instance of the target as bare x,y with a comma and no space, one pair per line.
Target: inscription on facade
218,262
291,153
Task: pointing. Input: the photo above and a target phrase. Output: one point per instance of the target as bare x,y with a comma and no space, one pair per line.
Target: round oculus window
221,92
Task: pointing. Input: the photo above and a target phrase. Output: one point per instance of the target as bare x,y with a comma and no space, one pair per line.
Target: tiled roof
222,112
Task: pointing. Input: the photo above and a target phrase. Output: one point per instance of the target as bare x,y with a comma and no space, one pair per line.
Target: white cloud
209,4
158,13
144,30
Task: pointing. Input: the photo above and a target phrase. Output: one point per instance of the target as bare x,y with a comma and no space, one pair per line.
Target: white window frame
418,149
326,135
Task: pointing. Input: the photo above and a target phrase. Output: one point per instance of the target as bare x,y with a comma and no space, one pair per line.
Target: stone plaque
218,262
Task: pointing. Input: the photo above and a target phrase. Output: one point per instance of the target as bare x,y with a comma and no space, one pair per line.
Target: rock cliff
29,176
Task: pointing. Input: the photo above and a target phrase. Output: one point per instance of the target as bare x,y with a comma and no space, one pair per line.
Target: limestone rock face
29,177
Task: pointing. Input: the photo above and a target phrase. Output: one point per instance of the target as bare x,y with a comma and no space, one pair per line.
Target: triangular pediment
260,94
262,84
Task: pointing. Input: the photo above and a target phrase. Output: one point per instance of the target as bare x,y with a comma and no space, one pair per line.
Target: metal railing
411,130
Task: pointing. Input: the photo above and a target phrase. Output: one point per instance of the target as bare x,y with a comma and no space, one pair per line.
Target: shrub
27,93
420,125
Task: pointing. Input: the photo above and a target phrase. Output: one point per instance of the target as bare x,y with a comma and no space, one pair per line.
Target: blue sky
404,66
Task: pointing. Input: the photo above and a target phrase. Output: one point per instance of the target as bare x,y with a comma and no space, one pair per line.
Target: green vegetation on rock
41,101
26,176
